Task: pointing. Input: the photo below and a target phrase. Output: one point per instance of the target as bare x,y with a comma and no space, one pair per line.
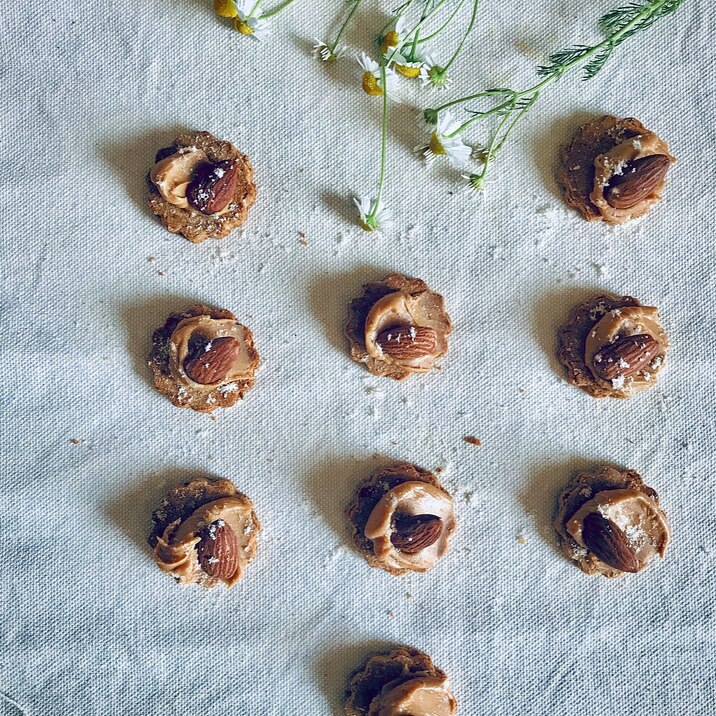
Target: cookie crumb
472,440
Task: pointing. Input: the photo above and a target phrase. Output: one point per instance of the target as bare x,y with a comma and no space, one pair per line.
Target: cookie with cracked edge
359,308
183,396
400,665
576,172
368,494
581,488
572,336
189,222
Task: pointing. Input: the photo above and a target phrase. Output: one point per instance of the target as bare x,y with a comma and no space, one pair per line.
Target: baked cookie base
358,312
190,223
394,668
367,496
185,396
571,340
580,489
576,169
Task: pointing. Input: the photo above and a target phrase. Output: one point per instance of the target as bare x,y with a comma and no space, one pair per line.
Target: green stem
383,141
435,8
279,8
356,3
534,91
471,24
445,24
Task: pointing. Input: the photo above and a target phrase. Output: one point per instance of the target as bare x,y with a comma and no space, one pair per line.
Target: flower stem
384,139
356,3
445,24
423,20
470,25
279,8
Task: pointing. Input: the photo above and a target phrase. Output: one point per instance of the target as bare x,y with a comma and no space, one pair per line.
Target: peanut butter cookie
402,681
203,359
204,533
613,169
612,346
201,187
402,519
609,522
398,327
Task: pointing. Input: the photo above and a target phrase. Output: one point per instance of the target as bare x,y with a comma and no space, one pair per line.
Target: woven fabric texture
90,625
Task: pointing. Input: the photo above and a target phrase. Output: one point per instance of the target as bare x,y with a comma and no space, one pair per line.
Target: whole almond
414,533
626,356
609,543
218,550
213,186
638,180
213,363
407,342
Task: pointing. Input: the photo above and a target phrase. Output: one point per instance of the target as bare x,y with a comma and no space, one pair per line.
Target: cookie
609,522
398,327
612,346
402,519
203,359
204,532
613,169
402,681
201,187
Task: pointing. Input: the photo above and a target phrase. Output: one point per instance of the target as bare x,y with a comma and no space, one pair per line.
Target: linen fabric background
91,91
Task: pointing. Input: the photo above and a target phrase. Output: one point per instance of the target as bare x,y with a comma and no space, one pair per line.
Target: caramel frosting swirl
636,514
173,174
176,548
420,696
411,498
400,308
209,329
614,162
627,321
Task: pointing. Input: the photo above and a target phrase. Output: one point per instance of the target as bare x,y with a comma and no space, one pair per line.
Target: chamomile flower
225,8
246,23
372,79
475,183
373,215
436,77
393,37
412,65
441,144
326,53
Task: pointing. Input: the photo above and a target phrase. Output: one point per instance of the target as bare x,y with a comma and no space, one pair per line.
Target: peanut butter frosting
420,696
173,174
411,499
210,329
620,322
425,309
398,327
610,522
176,548
614,162
635,514
203,359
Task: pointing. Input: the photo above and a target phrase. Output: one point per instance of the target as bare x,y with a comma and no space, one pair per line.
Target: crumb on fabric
472,440
75,441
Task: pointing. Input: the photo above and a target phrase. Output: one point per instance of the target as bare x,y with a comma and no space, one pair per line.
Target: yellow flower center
370,85
435,145
243,27
364,226
391,39
225,8
407,71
